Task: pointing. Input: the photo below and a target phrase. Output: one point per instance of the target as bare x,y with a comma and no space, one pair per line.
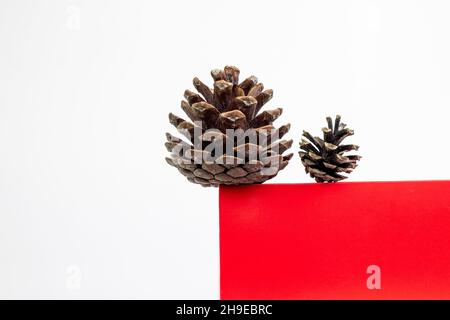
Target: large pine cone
229,142
323,158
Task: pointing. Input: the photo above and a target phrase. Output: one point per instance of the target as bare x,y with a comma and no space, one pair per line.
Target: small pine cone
323,158
229,141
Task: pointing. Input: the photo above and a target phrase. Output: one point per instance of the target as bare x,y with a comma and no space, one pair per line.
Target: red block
317,241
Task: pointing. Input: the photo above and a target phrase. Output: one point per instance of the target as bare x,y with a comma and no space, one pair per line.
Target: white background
88,206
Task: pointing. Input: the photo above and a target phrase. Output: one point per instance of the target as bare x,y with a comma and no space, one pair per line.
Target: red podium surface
360,240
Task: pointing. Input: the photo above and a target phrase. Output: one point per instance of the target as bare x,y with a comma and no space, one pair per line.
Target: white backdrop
88,206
